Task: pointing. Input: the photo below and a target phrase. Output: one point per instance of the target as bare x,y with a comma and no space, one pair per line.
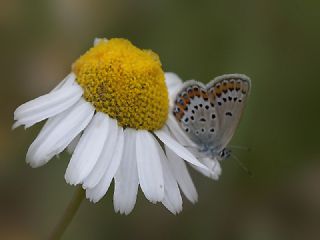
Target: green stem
68,214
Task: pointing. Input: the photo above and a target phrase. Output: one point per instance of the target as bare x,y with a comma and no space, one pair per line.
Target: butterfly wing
194,111
210,114
230,93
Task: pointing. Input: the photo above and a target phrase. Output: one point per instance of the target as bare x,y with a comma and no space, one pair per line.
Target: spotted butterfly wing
210,114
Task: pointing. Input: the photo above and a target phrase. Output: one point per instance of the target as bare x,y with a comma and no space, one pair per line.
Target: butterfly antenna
241,165
240,148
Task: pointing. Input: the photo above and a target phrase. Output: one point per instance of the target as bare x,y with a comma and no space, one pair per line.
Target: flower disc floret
124,82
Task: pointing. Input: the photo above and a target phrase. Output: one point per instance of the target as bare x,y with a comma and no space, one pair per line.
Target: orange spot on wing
204,94
217,90
224,86
179,115
231,85
238,86
197,93
191,94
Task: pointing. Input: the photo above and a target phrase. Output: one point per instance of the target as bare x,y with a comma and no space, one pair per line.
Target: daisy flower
213,169
111,112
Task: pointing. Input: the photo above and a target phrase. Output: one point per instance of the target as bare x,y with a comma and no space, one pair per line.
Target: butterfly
209,114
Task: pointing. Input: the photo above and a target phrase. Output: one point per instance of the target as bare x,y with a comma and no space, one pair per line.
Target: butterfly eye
222,153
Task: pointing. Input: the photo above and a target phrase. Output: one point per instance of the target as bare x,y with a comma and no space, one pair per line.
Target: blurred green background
276,43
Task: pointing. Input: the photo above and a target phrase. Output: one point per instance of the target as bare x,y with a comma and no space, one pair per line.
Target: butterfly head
206,151
224,154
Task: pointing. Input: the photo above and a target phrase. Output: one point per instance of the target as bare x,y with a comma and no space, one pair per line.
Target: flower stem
68,214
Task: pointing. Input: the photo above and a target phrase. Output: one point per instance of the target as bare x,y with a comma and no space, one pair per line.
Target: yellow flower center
125,82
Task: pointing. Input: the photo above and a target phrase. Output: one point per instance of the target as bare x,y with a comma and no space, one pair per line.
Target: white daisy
213,169
111,112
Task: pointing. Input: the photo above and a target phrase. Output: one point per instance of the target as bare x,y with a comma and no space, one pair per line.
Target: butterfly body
209,114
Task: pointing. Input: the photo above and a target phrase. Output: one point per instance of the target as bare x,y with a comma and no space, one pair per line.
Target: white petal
88,149
46,129
177,132
58,132
72,146
67,81
126,180
169,205
173,83
149,166
181,174
106,157
96,193
47,105
214,169
97,40
177,148
172,198
213,165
